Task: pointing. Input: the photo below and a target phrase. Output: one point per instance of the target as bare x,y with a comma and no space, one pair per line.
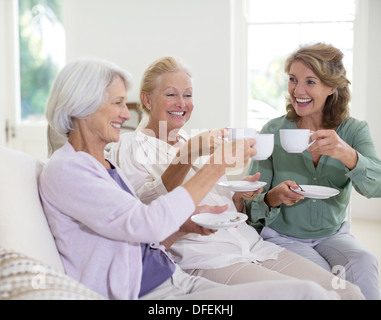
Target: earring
148,107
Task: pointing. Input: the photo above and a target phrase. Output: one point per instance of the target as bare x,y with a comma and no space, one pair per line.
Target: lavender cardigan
98,227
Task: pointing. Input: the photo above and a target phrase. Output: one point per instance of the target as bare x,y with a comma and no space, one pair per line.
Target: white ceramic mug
264,146
264,142
295,140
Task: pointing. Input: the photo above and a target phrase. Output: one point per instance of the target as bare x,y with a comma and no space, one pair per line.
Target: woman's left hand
330,144
190,227
238,197
249,195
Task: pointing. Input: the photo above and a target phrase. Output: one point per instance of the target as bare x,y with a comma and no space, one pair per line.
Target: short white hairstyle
80,89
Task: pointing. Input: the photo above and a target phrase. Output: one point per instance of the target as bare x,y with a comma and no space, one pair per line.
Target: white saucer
219,220
242,186
316,192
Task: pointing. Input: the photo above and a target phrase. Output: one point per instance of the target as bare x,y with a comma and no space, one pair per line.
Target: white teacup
264,146
264,142
295,140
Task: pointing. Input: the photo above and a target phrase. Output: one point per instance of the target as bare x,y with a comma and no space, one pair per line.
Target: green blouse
310,218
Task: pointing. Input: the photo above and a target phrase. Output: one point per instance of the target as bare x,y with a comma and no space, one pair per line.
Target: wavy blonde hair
326,62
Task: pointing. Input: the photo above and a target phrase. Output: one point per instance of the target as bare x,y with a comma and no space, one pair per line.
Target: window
275,29
42,54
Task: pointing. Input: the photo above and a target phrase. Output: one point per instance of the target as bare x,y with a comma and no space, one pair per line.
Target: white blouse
144,159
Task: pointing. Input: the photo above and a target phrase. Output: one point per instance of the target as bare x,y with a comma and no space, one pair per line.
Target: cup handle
311,143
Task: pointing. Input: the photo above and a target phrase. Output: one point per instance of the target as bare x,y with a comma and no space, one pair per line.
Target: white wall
134,33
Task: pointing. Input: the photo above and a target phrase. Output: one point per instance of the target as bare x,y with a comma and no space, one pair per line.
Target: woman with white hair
106,237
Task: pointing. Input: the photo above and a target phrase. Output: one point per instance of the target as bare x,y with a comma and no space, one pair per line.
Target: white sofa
30,266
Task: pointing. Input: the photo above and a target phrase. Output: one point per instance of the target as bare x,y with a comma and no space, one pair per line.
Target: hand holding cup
264,142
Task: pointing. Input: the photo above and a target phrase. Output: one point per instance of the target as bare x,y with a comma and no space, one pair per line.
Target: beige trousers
288,266
182,286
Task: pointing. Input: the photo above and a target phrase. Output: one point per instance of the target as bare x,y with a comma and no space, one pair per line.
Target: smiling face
307,92
171,101
104,124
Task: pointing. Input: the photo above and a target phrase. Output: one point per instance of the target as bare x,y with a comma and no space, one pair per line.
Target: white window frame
239,61
26,136
9,62
239,58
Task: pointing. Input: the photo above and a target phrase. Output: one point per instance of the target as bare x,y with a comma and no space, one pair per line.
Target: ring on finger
293,201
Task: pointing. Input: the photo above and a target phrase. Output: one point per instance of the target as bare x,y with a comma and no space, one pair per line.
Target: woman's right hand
235,154
283,194
205,143
230,155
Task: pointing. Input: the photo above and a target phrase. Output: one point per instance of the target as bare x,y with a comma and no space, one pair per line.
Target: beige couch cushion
23,278
23,226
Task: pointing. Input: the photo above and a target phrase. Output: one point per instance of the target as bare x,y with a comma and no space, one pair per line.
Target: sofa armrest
23,226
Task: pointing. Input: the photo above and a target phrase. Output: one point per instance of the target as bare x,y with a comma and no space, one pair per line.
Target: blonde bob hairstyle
157,68
326,63
80,89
